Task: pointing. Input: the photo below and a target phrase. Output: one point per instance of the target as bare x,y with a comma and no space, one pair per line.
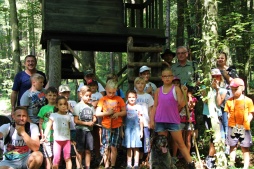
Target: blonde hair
84,89
167,69
36,76
139,79
112,76
111,84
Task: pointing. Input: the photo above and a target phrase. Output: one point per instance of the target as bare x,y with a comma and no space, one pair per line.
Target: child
84,117
119,91
146,102
133,129
64,90
34,98
111,108
60,121
93,85
44,113
150,87
240,112
187,116
168,99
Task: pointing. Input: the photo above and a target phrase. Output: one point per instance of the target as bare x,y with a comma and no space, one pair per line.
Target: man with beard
21,138
22,80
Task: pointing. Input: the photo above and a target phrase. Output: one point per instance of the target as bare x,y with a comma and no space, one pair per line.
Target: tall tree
15,36
180,23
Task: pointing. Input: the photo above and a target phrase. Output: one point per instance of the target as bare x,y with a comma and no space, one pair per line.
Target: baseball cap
92,83
236,82
64,88
215,72
144,68
176,78
88,72
168,52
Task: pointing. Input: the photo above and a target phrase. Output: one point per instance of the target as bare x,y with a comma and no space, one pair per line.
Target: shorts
16,164
73,135
47,149
107,141
232,141
159,127
187,126
145,141
84,140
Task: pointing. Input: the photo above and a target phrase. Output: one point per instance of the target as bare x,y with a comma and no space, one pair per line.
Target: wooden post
130,58
54,63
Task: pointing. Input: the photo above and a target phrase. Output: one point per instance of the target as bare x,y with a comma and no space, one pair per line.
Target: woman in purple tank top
168,100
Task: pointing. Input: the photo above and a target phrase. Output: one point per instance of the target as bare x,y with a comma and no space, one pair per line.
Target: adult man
22,80
167,57
184,69
17,151
88,77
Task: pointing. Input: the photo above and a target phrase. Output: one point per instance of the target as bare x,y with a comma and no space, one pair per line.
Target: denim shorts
159,127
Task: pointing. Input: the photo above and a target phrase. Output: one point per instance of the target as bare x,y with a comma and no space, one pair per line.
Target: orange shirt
238,111
115,103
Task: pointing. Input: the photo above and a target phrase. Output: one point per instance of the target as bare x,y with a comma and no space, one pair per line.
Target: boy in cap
167,57
145,72
88,77
240,113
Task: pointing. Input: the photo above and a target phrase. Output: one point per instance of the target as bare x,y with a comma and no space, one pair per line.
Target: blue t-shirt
22,83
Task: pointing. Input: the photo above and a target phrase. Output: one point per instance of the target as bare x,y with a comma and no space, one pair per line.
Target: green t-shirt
85,113
44,114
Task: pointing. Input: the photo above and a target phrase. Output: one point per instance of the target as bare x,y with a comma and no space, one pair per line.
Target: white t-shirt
145,101
19,149
61,126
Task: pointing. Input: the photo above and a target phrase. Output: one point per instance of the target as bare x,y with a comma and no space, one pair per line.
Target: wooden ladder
150,57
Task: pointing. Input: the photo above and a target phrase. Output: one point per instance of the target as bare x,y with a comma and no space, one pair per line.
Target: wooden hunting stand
99,25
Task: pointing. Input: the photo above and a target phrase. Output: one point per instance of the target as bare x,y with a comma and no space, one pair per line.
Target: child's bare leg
129,156
232,155
47,162
246,157
106,157
177,137
88,158
136,156
68,163
113,155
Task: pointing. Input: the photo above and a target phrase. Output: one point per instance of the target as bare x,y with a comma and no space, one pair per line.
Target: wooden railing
146,15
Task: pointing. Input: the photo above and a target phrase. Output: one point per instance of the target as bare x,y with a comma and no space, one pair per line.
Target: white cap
64,88
144,68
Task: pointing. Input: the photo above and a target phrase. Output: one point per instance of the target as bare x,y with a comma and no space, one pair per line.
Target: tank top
167,109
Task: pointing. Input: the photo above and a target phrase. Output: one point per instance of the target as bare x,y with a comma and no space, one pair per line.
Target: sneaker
136,167
191,165
128,167
210,162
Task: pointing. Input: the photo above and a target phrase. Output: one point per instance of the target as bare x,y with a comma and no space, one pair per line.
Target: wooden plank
139,64
145,49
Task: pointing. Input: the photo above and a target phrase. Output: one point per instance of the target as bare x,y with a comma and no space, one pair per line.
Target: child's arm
47,130
99,112
83,123
180,97
220,97
121,113
153,109
40,127
141,123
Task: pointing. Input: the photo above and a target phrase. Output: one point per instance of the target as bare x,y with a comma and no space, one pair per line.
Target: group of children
169,108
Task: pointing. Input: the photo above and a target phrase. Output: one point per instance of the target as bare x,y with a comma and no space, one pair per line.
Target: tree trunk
180,23
15,36
87,58
54,63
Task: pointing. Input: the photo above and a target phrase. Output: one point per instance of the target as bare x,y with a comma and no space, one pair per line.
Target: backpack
8,138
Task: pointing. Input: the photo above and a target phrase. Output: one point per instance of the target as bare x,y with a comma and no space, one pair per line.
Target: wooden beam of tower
139,64
72,52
